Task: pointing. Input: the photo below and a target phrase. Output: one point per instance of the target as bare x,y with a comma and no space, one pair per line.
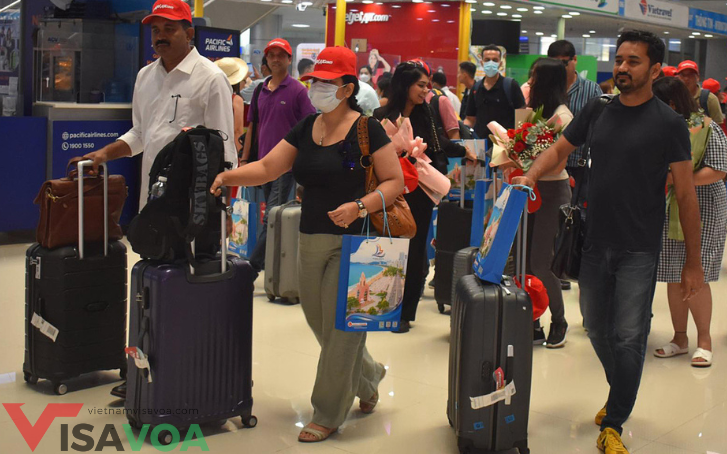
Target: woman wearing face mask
548,90
407,94
324,154
364,75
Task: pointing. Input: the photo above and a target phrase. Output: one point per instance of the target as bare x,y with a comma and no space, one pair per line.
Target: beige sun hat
235,69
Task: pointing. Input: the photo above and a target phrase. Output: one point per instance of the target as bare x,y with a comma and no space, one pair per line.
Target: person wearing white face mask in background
367,97
365,75
494,98
324,154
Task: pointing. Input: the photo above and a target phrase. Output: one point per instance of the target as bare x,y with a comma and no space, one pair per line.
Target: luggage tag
45,328
504,394
499,377
140,359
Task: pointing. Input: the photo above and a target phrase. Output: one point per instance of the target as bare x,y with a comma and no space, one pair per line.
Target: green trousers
345,368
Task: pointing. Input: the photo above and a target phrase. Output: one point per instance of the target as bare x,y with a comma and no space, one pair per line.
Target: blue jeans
617,290
277,192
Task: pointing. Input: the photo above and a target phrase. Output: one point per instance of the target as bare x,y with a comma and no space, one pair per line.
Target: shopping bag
499,234
371,282
468,173
481,211
431,235
245,225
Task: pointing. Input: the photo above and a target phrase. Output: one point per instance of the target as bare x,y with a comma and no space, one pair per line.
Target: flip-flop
318,435
670,350
706,355
371,403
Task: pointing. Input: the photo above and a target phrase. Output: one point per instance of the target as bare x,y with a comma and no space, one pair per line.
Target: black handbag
568,246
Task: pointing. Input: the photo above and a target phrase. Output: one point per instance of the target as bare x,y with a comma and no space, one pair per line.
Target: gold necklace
323,133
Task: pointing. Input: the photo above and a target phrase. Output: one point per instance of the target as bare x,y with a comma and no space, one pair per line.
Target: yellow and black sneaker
610,442
600,415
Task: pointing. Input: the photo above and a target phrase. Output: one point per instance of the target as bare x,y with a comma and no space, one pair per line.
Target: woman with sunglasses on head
548,90
407,98
709,153
324,154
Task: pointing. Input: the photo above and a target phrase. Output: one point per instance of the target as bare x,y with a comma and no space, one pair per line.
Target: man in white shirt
439,81
181,89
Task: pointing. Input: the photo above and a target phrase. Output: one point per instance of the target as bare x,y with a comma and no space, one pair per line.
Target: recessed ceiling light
445,5
450,22
287,1
692,36
502,14
417,1
486,11
538,8
266,0
708,36
696,33
396,6
553,36
470,1
432,11
567,16
517,20
517,16
419,18
586,36
505,7
435,20
574,13
488,4
367,2
300,25
539,33
522,10
473,10
666,33
537,12
524,32
592,31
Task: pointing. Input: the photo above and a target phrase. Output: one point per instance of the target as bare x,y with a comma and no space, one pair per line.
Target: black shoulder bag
568,246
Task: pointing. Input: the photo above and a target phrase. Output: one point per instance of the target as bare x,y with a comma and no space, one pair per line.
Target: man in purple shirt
280,104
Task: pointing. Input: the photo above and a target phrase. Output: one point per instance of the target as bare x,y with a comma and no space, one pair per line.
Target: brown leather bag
401,221
58,200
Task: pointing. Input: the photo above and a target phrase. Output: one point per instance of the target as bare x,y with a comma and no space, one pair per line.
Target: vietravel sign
707,21
658,12
216,43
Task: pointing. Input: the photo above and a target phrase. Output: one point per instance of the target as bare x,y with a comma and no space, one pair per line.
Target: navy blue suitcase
195,328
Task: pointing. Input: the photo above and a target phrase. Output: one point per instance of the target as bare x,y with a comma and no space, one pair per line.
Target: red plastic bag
411,175
538,294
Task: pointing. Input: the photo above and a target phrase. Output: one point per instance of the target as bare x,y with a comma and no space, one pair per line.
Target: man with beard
633,144
181,89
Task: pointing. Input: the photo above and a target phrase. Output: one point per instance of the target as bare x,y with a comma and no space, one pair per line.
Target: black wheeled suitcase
490,365
190,343
75,308
464,260
453,234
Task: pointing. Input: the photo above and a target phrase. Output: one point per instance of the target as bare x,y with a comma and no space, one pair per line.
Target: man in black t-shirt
494,98
634,143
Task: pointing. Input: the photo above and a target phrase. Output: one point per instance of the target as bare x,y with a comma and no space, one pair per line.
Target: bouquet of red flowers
523,145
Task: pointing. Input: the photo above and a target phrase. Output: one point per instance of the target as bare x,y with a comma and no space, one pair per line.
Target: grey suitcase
491,329
464,259
281,253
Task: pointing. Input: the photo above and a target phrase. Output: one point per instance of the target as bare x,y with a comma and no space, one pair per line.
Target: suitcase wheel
165,437
60,388
271,298
32,379
134,423
249,421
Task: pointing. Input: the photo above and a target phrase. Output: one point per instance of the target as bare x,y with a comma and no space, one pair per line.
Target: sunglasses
418,64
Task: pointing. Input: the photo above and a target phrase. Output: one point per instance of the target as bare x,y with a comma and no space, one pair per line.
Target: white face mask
365,78
323,96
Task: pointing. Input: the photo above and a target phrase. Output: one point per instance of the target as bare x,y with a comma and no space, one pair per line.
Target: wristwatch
362,212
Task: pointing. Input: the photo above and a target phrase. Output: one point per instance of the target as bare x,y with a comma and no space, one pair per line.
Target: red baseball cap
711,85
279,43
669,71
687,64
170,9
332,63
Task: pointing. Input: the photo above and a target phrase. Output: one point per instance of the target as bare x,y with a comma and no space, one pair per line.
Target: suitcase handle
97,307
81,165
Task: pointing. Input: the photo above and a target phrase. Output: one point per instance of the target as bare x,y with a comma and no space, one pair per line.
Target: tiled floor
680,409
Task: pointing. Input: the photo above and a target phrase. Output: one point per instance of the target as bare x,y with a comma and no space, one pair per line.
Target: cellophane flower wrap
522,145
432,182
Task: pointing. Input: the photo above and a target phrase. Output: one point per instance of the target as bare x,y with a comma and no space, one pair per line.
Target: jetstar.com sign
83,439
365,18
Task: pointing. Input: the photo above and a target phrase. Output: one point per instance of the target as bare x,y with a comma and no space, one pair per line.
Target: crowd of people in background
662,128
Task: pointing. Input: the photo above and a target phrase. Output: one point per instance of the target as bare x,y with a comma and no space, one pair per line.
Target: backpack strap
704,100
507,86
362,133
255,121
